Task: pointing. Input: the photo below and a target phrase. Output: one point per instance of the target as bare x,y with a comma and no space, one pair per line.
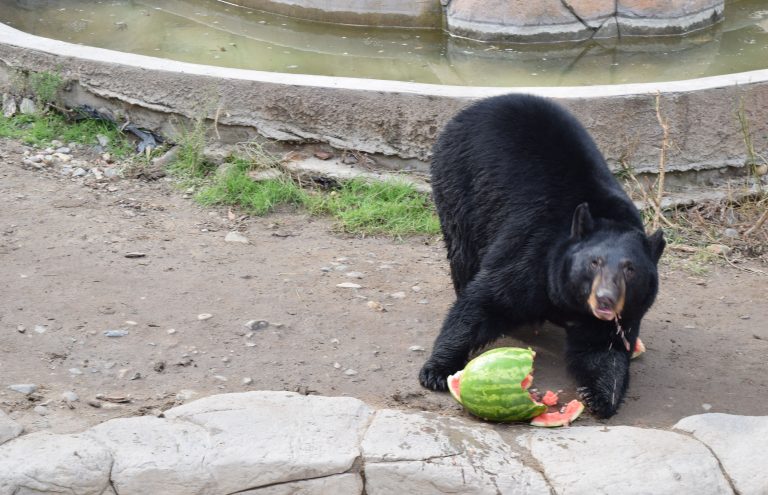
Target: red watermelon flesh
568,415
550,398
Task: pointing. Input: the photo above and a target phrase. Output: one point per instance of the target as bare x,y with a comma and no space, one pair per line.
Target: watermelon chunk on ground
570,412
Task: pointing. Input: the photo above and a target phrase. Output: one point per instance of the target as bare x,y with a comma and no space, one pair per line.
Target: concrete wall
394,120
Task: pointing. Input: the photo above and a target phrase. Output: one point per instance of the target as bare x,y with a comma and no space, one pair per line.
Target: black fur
530,212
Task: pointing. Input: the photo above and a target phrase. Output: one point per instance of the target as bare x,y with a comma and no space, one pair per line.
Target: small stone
95,403
135,254
731,233
236,237
397,295
40,328
70,396
376,367
79,172
171,331
115,333
337,366
247,380
35,158
350,372
56,143
706,406
204,316
349,285
103,140
75,371
185,395
131,323
341,268
326,269
745,317
61,149
27,106
416,348
24,388
335,341
97,173
355,275
256,324
136,376
9,106
21,328
376,306
41,410
159,366
323,155
719,249
416,288
226,359
220,378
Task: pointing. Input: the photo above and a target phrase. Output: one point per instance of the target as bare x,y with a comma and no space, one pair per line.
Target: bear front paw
434,377
601,405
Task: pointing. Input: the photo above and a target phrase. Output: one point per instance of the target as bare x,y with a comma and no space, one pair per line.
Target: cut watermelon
551,419
639,348
493,386
454,385
550,398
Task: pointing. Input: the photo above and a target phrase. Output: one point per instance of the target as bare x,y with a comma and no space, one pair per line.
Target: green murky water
215,33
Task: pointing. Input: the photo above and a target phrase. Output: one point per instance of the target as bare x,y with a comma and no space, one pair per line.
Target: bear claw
434,377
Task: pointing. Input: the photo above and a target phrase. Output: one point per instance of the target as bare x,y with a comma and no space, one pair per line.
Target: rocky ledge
285,443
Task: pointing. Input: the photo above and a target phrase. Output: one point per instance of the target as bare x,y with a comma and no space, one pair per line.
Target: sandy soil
63,247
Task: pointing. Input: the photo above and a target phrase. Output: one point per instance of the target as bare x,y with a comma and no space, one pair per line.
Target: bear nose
605,302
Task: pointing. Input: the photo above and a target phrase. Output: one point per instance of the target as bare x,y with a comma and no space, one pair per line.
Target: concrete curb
283,442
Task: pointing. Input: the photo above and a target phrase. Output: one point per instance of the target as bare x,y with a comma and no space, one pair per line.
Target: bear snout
606,299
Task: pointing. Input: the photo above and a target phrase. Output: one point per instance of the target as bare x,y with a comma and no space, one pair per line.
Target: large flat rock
339,484
9,429
739,443
266,438
46,463
428,454
153,455
626,460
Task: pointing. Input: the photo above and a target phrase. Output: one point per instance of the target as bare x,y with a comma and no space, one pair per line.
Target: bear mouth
605,314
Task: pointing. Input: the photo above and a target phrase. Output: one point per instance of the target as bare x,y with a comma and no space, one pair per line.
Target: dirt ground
66,280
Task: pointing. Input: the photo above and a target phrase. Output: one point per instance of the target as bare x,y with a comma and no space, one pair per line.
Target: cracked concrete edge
396,122
418,439
579,27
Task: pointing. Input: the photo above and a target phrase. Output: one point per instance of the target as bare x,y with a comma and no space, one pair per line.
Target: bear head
609,267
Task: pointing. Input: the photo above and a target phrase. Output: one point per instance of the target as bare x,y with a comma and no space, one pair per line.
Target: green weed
190,162
391,208
234,187
45,86
40,130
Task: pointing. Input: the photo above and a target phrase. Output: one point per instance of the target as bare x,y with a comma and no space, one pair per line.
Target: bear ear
657,244
582,222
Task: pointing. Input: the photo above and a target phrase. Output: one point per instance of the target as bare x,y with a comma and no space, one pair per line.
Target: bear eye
629,270
595,263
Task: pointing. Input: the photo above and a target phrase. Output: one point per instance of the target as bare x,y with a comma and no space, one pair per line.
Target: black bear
537,228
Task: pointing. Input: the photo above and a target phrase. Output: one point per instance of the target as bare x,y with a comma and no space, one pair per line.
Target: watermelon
568,415
494,385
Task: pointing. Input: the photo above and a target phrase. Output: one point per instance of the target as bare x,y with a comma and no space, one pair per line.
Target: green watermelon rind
490,386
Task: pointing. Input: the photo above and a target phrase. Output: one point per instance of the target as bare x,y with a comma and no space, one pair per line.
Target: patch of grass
234,187
190,162
391,208
45,86
40,130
